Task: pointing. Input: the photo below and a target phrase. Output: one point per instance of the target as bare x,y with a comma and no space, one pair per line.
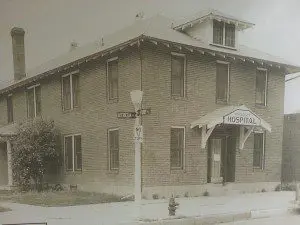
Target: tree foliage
35,149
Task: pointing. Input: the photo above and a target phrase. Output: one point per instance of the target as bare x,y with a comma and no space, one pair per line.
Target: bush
263,190
155,196
186,194
206,193
285,187
35,151
278,187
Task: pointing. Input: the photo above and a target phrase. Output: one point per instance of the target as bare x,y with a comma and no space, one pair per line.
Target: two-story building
216,108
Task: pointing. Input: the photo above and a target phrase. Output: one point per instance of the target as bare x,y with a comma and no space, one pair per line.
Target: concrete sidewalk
190,210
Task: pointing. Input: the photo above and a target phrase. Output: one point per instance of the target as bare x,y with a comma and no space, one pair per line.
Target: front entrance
221,157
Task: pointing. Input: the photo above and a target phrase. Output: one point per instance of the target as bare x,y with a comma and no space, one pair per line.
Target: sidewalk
154,211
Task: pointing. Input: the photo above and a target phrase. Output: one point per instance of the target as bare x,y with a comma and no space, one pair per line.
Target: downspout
141,116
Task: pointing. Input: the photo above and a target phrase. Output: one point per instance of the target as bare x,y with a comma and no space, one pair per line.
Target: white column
137,177
9,166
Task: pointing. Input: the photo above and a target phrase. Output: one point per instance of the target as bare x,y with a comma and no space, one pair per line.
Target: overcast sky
51,25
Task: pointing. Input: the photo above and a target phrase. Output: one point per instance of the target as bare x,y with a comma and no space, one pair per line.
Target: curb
258,214
205,220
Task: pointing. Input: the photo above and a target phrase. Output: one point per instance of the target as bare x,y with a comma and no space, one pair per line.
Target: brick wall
95,115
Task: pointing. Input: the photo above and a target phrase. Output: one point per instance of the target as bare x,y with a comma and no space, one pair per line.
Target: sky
51,25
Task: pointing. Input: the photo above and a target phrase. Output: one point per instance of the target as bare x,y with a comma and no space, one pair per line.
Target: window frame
10,113
262,163
184,74
33,87
182,167
226,101
109,149
266,86
76,72
73,153
108,80
224,35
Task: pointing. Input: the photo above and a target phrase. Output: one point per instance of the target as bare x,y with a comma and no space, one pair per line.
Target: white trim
262,69
9,95
71,73
73,151
33,86
222,62
34,101
108,147
184,71
112,59
184,145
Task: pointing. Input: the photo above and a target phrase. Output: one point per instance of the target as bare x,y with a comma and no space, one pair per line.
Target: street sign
138,134
126,115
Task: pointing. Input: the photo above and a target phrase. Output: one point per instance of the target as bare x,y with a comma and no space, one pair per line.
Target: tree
35,149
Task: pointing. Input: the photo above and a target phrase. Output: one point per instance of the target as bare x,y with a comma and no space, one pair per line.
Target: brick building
291,150
216,108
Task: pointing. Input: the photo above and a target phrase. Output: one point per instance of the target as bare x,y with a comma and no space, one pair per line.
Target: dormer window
224,34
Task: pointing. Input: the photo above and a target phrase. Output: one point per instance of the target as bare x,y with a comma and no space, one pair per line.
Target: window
73,153
33,101
112,79
70,91
113,145
259,150
222,82
223,33
177,147
10,113
261,87
178,62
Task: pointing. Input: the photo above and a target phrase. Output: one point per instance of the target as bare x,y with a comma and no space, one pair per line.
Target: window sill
112,101
176,97
221,102
77,108
261,106
224,46
76,172
258,169
113,171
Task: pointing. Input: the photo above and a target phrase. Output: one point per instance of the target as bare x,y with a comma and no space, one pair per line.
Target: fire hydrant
172,206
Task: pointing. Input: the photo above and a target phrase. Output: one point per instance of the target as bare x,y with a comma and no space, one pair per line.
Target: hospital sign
241,117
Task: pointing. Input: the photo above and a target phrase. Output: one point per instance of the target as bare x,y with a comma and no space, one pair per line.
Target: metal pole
137,178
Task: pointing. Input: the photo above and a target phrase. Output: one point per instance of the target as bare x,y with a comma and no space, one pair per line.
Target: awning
235,115
8,130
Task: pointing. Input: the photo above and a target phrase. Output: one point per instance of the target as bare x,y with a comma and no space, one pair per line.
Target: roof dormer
214,27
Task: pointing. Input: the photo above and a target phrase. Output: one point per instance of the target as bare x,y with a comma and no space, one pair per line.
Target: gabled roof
157,29
217,117
211,14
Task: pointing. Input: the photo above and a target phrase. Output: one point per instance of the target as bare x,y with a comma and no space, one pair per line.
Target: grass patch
59,198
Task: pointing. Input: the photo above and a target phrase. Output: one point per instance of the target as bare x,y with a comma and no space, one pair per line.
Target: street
276,220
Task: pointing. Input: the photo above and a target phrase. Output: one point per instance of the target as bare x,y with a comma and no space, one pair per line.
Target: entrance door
214,174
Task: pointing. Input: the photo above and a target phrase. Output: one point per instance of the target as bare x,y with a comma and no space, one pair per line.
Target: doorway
221,159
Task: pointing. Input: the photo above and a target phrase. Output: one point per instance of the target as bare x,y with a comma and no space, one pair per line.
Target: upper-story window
33,101
10,113
223,33
261,87
178,62
70,91
112,79
222,82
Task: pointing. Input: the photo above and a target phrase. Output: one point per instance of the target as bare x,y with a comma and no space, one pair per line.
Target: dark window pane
75,84
260,95
222,82
218,32
78,152
38,100
177,76
68,153
113,79
114,149
10,114
177,147
30,103
66,93
258,153
230,35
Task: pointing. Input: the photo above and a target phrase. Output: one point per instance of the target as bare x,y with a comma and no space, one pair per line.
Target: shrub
155,196
186,194
278,187
263,190
206,193
35,151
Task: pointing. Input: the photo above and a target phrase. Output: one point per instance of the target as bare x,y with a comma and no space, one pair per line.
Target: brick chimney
18,48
